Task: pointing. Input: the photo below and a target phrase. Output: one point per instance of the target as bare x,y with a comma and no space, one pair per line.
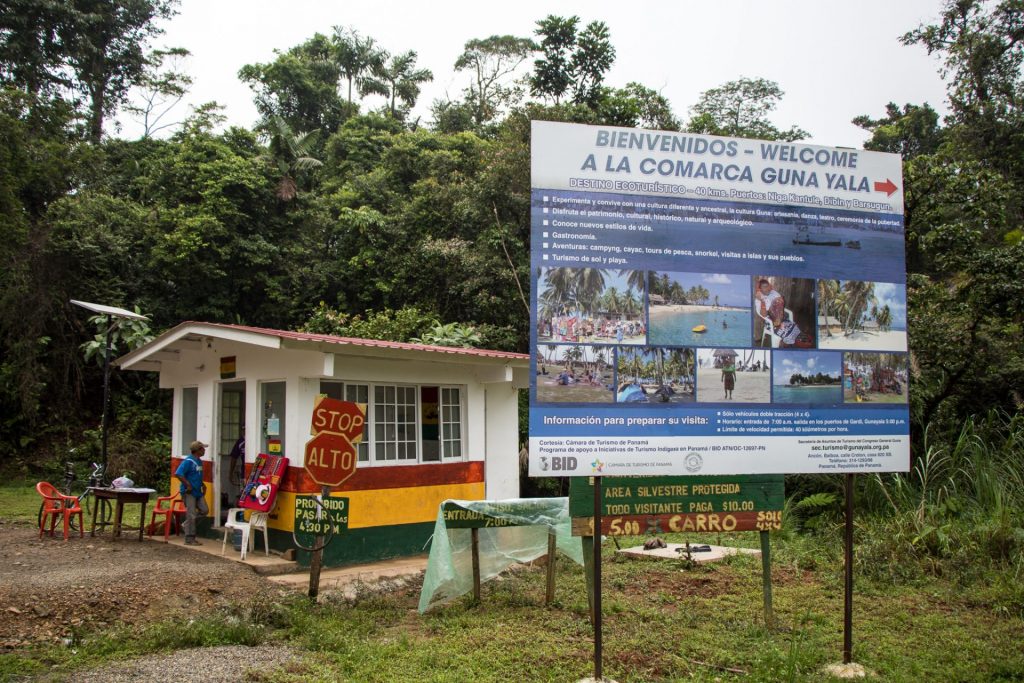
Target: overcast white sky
833,59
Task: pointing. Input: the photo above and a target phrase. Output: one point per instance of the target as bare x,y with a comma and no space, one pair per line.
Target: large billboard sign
709,305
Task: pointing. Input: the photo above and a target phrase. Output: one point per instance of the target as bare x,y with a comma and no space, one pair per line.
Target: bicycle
87,501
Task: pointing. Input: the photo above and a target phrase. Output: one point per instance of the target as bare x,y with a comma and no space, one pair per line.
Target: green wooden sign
458,517
306,521
640,505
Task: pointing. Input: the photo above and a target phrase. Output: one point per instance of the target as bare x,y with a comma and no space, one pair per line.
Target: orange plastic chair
174,507
57,504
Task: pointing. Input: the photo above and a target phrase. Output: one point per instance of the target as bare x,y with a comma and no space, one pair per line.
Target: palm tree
612,301
289,152
884,318
356,56
828,291
398,79
630,304
589,284
635,279
858,296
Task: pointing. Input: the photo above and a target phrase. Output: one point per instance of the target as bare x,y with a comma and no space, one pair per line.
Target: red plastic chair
57,504
175,506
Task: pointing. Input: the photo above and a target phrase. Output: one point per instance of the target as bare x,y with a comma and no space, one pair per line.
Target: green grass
662,622
19,502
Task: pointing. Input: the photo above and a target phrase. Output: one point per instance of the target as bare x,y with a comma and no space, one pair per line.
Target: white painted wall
490,428
502,477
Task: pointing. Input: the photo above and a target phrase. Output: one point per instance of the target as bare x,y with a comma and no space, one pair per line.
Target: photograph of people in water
574,373
733,375
857,315
783,312
655,375
875,378
591,305
698,309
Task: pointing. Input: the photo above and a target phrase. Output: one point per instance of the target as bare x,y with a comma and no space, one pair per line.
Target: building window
189,417
355,393
451,422
394,423
405,424
272,399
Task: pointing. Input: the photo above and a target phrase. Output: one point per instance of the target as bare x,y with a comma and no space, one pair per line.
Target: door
230,451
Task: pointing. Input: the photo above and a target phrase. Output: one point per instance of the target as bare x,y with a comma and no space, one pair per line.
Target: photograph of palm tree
591,305
858,315
784,312
572,373
655,375
874,378
699,309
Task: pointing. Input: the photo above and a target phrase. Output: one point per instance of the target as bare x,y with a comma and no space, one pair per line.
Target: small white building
442,422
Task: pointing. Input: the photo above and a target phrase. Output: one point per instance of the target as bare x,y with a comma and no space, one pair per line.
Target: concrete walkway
257,559
290,575
348,579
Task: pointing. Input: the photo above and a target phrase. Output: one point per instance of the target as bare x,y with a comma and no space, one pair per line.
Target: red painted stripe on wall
374,478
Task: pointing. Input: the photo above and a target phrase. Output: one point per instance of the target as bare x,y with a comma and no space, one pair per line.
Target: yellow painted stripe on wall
384,507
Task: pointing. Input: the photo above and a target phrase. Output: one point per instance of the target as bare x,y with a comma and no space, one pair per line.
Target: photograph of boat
818,243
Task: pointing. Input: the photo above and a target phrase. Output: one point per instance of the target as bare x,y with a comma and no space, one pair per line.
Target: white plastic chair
257,521
769,329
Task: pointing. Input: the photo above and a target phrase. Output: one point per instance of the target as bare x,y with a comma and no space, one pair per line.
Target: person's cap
196,445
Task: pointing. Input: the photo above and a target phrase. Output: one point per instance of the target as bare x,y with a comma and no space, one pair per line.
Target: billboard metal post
316,560
766,570
848,578
597,580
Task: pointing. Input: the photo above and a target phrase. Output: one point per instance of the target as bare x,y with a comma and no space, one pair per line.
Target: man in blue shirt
190,474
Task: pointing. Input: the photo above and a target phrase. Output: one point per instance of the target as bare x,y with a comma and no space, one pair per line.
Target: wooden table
120,496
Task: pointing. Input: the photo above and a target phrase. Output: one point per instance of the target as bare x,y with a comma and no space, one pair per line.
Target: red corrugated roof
375,343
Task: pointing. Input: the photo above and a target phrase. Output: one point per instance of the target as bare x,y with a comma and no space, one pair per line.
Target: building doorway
230,448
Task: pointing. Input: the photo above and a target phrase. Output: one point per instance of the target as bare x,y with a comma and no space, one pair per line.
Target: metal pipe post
597,580
848,579
106,390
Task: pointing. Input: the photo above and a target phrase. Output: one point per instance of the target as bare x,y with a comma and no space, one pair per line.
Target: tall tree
552,74
572,60
591,60
399,81
357,56
301,87
489,60
105,45
740,108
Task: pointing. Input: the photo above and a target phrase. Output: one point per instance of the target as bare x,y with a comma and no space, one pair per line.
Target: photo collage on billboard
670,338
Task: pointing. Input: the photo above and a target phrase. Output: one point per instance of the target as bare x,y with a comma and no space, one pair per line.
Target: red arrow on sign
888,187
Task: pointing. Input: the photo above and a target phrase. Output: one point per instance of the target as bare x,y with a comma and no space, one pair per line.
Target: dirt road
50,588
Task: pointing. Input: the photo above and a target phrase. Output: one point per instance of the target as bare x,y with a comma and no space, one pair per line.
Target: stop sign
330,459
339,417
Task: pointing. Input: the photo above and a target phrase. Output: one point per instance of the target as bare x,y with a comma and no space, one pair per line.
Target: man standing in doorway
190,474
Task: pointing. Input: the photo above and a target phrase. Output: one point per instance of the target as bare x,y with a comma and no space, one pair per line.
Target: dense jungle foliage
332,216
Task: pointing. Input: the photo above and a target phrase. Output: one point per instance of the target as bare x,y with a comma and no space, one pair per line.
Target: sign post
690,313
330,460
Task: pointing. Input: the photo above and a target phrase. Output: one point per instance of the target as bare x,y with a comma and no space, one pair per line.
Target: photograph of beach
655,375
875,378
698,309
783,312
591,305
857,315
574,374
813,377
733,375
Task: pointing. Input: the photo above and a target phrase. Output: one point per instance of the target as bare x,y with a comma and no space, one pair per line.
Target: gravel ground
50,587
227,664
